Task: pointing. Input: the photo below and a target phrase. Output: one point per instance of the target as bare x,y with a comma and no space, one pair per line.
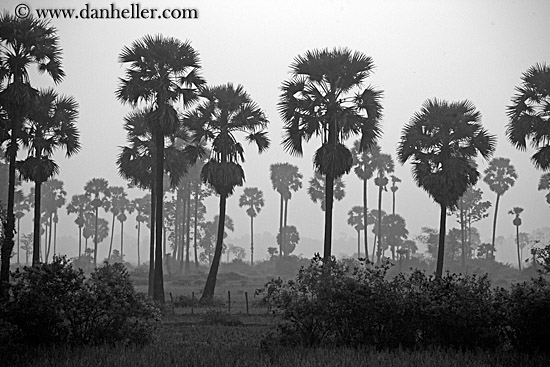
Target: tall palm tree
529,116
142,207
24,42
355,219
317,189
441,141
383,164
500,175
124,206
394,188
253,199
117,197
53,198
50,125
162,71
516,211
285,178
318,100
363,162
97,191
79,205
224,111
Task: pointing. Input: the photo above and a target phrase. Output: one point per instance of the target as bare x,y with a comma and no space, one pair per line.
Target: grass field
185,340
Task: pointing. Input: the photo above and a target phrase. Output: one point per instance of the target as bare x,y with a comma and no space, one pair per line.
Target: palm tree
355,219
50,125
383,164
20,207
97,191
161,72
117,198
441,141
124,206
23,42
517,222
394,188
394,231
285,178
544,184
253,199
225,111
292,238
142,207
529,116
317,189
318,100
500,175
363,162
53,198
79,205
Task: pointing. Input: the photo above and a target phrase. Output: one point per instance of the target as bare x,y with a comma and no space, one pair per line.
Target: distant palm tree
394,231
97,191
253,199
544,184
225,111
24,42
363,162
529,116
516,211
53,198
441,141
50,125
383,164
285,178
317,188
318,100
20,207
394,188
124,206
355,219
79,205
162,71
500,175
142,207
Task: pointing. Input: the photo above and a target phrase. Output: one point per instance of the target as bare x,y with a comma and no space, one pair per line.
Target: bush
331,304
54,303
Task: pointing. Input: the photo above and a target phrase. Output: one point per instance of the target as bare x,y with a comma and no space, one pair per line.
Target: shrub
55,303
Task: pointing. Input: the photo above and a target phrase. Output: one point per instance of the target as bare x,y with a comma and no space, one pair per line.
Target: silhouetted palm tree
50,125
529,116
318,100
317,188
355,219
285,178
363,162
97,191
142,207
225,111
53,198
253,199
441,141
161,72
79,205
24,42
383,164
500,175
394,188
516,211
544,184
20,207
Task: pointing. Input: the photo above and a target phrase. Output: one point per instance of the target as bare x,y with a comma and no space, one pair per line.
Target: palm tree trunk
281,226
7,245
54,237
365,214
112,235
329,200
79,242
251,241
49,238
358,244
139,230
209,287
441,248
122,241
494,225
463,239
285,228
195,232
393,202
379,251
36,230
188,227
158,288
18,241
152,242
95,238
517,243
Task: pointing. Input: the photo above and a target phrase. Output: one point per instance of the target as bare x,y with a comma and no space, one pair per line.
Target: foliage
216,317
333,304
54,303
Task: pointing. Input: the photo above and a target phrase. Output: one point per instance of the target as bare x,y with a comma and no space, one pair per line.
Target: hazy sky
452,50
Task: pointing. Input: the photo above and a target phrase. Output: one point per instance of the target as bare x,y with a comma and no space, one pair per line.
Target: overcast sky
452,50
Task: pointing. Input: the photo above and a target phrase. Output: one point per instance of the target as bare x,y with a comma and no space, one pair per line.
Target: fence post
246,299
192,302
229,301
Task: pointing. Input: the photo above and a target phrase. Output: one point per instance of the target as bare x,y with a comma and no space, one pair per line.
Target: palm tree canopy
285,178
97,190
363,160
500,175
79,205
355,218
316,189
253,198
441,141
529,114
318,101
225,111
